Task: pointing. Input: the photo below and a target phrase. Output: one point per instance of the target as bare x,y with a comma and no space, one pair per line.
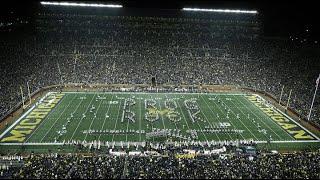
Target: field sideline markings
241,122
175,124
115,125
159,104
197,123
93,119
81,118
184,118
291,119
251,104
257,117
59,144
141,118
26,113
127,120
104,121
77,108
97,92
232,122
212,116
296,141
55,120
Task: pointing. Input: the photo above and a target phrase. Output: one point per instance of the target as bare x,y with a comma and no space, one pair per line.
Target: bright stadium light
80,4
221,10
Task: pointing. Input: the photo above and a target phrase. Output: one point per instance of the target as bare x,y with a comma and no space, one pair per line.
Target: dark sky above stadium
280,18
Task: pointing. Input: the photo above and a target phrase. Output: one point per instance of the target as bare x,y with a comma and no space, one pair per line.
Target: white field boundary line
261,120
184,118
296,141
75,131
140,113
42,122
213,116
30,144
115,125
193,122
26,113
290,118
164,126
93,92
224,114
208,121
240,120
54,121
175,124
105,117
138,142
127,120
93,119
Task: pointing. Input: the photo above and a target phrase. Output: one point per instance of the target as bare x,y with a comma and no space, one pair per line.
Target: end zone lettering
281,120
33,119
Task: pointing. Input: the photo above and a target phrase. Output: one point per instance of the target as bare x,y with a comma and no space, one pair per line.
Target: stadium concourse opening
153,81
197,91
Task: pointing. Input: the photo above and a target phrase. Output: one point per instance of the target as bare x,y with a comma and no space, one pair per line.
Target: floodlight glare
220,10
80,4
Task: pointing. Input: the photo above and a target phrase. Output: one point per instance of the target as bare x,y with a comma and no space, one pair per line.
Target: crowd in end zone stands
304,165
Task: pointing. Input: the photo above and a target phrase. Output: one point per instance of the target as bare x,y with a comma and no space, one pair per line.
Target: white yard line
213,116
197,123
184,118
164,126
26,113
127,127
141,118
74,132
148,93
57,118
77,107
141,142
150,123
175,124
15,123
231,122
93,118
291,119
242,122
105,117
44,120
256,115
270,117
115,125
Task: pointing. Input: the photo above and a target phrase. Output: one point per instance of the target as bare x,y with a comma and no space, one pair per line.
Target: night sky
279,18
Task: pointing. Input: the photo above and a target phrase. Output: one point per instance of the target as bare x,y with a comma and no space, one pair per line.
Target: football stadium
114,90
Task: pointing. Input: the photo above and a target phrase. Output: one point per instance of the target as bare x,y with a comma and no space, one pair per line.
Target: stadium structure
187,83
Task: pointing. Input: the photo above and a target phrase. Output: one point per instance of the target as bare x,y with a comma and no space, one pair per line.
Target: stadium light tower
80,4
221,10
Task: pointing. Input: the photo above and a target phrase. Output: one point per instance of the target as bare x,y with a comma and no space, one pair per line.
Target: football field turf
139,117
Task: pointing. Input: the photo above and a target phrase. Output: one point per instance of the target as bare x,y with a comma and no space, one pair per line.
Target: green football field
139,117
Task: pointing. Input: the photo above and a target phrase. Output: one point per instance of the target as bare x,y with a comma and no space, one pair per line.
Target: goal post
24,106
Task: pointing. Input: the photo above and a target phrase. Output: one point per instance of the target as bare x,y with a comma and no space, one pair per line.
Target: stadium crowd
304,165
228,50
